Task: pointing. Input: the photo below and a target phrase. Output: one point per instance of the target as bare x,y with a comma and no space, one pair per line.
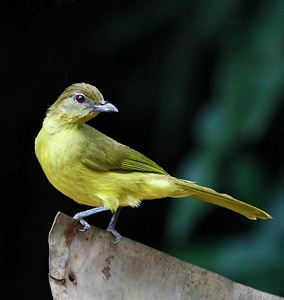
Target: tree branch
87,265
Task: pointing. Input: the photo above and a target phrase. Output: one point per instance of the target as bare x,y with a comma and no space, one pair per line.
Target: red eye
80,98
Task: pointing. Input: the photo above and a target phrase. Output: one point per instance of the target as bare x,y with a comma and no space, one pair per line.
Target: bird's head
79,103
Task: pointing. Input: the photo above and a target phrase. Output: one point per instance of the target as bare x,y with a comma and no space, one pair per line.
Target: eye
80,98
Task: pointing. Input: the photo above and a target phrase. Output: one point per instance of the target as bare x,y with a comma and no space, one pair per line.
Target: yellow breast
58,157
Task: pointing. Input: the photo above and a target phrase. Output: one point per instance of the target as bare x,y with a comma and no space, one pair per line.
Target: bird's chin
91,115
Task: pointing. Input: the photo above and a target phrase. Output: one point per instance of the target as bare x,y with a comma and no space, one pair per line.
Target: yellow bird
95,170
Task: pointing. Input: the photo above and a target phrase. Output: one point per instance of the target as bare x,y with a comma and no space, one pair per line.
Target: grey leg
83,214
111,226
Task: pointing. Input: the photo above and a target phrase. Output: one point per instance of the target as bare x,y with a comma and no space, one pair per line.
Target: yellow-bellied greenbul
95,170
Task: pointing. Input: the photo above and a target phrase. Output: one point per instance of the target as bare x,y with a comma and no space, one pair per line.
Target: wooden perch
87,265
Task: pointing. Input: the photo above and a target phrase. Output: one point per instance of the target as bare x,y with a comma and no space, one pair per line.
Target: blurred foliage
247,85
200,81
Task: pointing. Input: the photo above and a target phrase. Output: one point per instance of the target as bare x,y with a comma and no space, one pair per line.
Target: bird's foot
86,225
83,214
116,234
111,227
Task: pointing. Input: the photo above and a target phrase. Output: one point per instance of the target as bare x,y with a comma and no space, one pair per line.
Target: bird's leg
111,226
83,214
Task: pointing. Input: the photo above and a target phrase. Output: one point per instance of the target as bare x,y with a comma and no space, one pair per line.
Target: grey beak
107,107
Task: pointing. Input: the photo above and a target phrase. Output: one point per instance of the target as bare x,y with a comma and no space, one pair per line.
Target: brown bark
87,265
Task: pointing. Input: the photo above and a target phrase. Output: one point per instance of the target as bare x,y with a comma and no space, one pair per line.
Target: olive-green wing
105,154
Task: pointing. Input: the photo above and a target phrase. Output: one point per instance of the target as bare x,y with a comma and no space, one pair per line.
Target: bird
97,171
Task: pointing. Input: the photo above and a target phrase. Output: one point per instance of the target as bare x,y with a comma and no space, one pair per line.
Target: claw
116,234
85,224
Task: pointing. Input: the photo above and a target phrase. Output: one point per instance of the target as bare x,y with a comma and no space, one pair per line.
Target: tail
187,188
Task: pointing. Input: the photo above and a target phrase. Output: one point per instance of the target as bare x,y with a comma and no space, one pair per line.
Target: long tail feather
208,195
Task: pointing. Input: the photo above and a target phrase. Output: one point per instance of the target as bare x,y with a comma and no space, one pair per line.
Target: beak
107,107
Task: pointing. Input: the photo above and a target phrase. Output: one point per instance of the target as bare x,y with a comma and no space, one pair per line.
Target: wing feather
105,154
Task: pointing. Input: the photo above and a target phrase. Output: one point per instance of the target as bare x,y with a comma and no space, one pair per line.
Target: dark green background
199,88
